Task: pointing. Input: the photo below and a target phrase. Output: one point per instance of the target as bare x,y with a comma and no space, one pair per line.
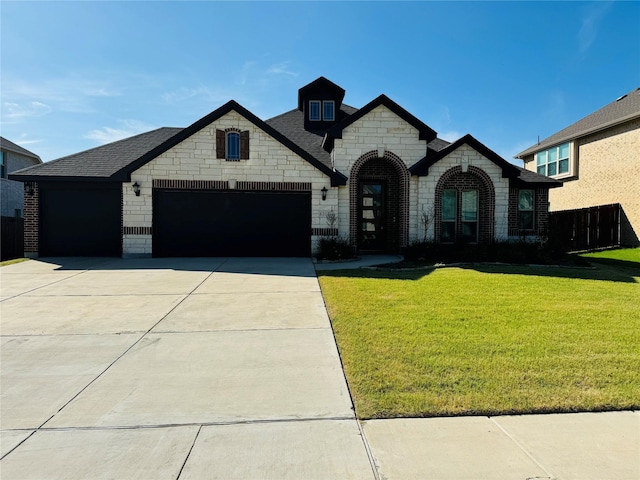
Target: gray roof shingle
624,108
100,162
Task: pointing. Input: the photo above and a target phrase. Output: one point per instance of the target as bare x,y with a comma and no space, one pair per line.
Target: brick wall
424,190
608,171
31,221
473,179
540,208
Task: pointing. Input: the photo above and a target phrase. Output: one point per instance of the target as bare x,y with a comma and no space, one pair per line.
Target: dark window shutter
244,145
221,139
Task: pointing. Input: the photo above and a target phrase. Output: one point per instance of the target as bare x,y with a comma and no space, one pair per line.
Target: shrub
521,252
335,248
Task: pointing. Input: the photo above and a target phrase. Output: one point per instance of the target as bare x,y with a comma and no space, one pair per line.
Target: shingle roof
12,147
291,125
626,107
100,162
508,169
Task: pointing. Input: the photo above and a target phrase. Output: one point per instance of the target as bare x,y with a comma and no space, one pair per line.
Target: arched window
233,146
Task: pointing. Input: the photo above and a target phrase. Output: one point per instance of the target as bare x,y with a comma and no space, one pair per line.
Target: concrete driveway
172,368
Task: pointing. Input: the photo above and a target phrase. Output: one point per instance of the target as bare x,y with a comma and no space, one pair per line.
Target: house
597,159
233,184
12,158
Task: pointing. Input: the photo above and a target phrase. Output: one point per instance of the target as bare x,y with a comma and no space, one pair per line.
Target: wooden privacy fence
586,228
12,241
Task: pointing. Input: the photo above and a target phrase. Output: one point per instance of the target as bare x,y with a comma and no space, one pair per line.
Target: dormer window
322,111
328,110
314,111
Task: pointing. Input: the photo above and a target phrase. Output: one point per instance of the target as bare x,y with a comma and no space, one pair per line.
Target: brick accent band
224,185
282,186
191,184
324,232
137,230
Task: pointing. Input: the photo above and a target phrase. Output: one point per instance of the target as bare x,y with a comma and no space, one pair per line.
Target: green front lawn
488,339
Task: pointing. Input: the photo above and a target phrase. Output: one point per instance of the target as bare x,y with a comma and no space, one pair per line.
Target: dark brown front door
371,216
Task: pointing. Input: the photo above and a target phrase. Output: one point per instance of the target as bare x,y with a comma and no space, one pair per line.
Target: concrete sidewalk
227,368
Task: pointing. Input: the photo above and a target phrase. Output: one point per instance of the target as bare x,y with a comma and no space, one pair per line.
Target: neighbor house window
232,145
449,215
469,219
314,110
328,110
525,210
3,167
553,161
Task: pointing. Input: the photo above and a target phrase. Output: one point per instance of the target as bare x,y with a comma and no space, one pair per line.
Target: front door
371,234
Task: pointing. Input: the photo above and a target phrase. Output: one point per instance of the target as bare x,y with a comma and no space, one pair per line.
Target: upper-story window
232,144
3,167
554,162
314,110
328,110
324,110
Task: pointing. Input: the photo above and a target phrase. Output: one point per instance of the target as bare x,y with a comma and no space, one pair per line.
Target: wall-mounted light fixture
136,189
28,187
324,193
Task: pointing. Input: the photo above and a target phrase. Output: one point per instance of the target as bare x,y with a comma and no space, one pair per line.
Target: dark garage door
80,220
209,223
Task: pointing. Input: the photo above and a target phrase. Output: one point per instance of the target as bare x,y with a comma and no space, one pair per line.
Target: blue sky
75,75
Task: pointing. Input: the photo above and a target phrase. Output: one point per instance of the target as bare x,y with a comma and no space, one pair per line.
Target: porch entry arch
473,179
379,202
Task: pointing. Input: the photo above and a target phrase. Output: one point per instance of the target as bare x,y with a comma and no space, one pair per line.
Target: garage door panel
209,223
80,220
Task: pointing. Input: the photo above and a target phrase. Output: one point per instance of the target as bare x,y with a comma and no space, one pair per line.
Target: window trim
545,165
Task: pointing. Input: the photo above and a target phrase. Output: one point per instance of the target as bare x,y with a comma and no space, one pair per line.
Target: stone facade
194,160
608,171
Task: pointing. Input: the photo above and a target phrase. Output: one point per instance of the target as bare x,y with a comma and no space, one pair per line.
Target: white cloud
591,23
25,110
281,69
450,136
127,128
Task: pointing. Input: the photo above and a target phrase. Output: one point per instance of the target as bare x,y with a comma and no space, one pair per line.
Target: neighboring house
233,184
598,161
13,157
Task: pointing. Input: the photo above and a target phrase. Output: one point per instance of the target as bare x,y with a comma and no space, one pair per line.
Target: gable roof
125,173
116,161
623,109
509,170
9,146
425,132
97,164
